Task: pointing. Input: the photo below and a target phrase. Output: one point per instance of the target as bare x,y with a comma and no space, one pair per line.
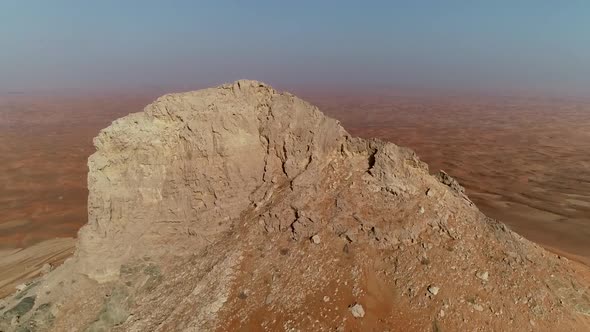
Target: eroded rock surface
242,208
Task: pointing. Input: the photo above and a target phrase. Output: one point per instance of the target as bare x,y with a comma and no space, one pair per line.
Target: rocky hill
239,208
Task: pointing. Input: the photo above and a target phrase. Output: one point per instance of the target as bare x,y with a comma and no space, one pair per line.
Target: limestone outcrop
242,208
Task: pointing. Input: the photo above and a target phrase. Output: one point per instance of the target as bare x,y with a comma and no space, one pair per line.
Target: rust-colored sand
44,144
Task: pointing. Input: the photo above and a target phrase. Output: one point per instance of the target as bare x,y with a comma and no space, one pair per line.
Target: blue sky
503,46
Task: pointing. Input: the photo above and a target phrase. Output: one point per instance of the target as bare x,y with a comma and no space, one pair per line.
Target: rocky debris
243,295
315,239
357,310
433,290
113,312
303,227
447,180
12,316
350,237
483,275
46,268
201,207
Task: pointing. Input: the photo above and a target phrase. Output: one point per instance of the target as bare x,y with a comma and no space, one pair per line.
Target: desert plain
523,161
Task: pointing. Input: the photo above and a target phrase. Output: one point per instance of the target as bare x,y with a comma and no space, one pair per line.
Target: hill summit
239,208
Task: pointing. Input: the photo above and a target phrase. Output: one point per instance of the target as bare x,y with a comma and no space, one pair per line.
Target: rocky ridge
242,208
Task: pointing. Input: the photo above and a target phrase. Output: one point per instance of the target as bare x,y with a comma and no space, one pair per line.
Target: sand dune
44,143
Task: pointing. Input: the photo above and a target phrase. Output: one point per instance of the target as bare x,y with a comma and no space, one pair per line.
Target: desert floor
44,145
523,161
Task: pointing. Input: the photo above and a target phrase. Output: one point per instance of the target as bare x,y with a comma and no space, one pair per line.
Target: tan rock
206,194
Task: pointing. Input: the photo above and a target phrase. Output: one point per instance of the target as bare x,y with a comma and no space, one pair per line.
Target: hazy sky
472,45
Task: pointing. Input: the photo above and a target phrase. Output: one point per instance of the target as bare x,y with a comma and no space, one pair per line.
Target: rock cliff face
241,208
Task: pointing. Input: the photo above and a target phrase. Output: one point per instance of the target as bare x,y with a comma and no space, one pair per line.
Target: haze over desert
294,166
